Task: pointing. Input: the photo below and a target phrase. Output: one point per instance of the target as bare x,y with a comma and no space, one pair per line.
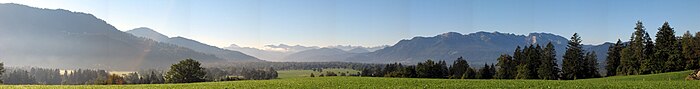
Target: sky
255,23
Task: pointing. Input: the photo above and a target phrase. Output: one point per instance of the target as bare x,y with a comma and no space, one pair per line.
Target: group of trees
298,65
74,77
535,62
430,69
532,62
185,71
665,54
258,74
144,77
54,76
577,64
329,73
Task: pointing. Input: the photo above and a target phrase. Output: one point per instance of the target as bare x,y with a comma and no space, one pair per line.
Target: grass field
674,80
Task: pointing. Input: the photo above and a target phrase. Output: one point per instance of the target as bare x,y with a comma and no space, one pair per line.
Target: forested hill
478,48
52,38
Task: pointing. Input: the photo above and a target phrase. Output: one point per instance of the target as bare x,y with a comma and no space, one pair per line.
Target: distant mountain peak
358,50
234,46
148,33
450,34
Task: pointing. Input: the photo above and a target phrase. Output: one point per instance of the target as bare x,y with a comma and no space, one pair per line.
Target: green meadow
295,79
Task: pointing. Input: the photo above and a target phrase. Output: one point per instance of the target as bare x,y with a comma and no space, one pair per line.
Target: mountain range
59,38
298,53
228,55
478,48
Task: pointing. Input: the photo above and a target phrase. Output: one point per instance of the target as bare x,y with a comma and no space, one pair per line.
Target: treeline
233,73
666,53
530,62
46,76
640,55
535,62
184,72
430,69
297,65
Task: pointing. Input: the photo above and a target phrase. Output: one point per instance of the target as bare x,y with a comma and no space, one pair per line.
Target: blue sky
254,23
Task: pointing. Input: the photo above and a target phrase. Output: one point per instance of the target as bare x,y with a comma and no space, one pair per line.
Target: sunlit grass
655,81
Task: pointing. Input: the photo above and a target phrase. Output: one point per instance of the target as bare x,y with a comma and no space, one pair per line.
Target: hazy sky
254,23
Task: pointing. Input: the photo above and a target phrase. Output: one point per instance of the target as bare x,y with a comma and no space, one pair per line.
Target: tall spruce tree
687,51
484,72
492,71
666,51
442,67
696,50
523,72
590,65
548,69
634,52
425,69
613,59
527,67
518,55
534,60
506,67
572,58
650,63
458,68
470,74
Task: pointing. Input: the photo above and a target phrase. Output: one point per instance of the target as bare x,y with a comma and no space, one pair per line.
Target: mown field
674,80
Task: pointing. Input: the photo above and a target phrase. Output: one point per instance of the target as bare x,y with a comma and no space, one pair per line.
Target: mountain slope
148,33
63,39
231,56
478,48
319,55
267,55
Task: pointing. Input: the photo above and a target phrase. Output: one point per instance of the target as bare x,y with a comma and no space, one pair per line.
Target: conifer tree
492,71
534,60
470,74
590,65
634,52
572,58
518,55
666,55
442,65
696,50
485,72
613,59
548,69
523,72
688,48
506,67
458,68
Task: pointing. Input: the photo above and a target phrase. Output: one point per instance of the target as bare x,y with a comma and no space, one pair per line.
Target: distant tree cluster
186,71
329,73
430,69
257,74
532,62
666,53
317,66
535,62
144,77
577,64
